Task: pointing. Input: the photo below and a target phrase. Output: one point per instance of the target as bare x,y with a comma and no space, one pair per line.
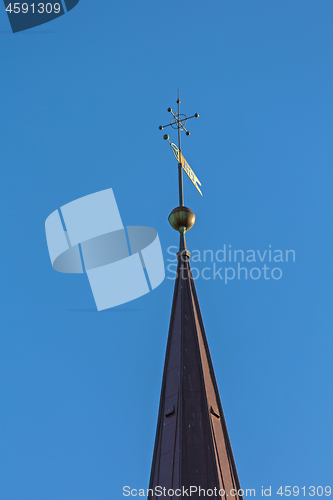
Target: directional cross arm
179,121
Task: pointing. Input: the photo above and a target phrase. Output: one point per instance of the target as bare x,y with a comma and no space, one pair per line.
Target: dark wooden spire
192,446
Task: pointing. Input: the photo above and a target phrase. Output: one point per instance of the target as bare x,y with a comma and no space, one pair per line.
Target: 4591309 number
312,491
38,8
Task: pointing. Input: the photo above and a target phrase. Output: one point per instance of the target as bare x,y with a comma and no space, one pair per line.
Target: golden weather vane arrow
178,122
186,167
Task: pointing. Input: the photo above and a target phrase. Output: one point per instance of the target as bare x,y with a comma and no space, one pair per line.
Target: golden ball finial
181,219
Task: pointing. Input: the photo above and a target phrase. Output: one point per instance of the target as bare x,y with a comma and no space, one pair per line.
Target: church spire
192,447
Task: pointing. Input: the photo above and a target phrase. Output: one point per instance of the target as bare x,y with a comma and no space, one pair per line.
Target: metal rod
180,182
180,169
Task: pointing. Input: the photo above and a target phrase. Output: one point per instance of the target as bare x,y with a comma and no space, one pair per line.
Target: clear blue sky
81,101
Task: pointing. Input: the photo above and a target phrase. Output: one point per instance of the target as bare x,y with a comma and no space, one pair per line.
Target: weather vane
178,122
